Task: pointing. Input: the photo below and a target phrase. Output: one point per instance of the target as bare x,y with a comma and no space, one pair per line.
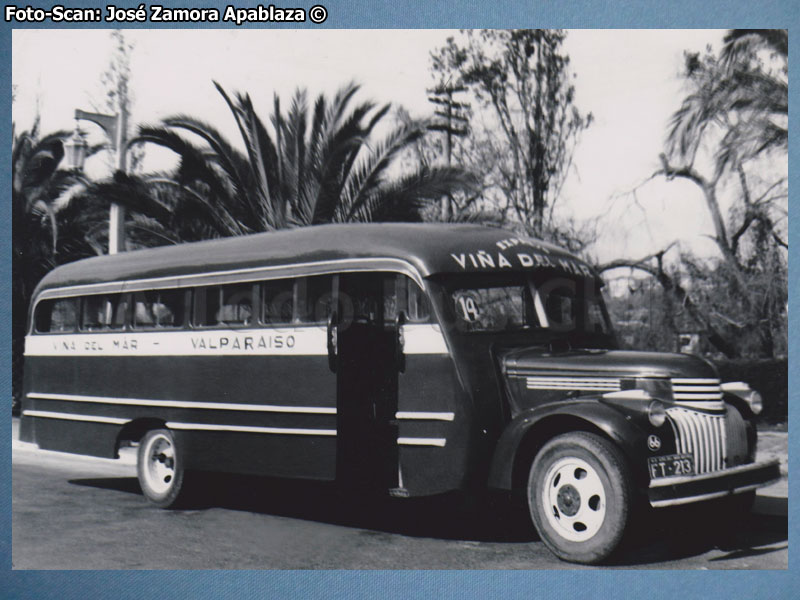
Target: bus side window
402,293
43,318
117,311
93,315
206,306
419,308
314,298
158,309
106,311
393,295
56,316
236,305
277,302
219,305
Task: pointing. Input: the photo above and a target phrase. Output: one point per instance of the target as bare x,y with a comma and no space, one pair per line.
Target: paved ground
774,499
79,512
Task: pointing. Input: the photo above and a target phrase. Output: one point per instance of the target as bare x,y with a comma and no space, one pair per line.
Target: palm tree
737,106
309,167
741,96
36,184
47,227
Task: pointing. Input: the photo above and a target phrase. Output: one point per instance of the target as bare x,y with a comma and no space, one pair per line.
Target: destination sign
519,253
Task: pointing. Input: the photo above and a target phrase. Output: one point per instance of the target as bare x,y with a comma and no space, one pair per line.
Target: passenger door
365,354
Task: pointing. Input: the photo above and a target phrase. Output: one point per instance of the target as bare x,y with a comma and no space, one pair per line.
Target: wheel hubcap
160,468
574,500
569,500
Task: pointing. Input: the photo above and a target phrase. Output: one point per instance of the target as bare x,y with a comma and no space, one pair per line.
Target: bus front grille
692,390
702,435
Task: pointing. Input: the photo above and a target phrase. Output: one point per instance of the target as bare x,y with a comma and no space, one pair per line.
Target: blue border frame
411,585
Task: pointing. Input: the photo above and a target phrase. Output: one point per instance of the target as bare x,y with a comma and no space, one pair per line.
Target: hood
607,363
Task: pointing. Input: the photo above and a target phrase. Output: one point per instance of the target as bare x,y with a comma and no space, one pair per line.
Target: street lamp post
114,127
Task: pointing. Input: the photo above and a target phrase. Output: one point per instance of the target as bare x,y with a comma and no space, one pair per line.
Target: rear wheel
579,496
160,468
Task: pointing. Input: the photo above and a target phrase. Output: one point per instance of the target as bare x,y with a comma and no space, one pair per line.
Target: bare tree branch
779,241
674,288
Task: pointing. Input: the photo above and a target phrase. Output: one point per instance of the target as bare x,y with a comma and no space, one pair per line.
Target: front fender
531,429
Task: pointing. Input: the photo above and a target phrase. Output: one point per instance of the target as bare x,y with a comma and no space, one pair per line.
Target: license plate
671,465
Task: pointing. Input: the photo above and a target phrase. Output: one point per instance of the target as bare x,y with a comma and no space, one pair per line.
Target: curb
127,456
17,445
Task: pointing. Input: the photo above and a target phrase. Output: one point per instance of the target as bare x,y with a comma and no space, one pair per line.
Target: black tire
579,496
159,467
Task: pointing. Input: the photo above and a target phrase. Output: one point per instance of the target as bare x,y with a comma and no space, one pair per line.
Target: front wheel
579,496
160,468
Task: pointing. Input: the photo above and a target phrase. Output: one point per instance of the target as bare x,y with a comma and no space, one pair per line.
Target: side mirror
400,342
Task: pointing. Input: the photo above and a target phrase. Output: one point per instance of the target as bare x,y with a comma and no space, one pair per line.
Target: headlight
634,400
741,389
656,413
755,402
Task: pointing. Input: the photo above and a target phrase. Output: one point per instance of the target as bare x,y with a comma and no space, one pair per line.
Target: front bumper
683,489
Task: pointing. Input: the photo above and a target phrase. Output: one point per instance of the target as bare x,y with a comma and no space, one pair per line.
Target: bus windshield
521,302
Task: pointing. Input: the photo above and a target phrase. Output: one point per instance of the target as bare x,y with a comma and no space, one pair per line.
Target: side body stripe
272,341
45,414
186,426
318,410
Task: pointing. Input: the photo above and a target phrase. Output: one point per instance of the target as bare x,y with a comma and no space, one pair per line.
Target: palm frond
734,95
370,173
263,161
340,101
338,156
317,133
225,154
194,163
266,166
403,199
41,160
245,124
741,43
295,142
278,126
309,167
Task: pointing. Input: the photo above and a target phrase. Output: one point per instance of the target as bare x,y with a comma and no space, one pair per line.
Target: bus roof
427,249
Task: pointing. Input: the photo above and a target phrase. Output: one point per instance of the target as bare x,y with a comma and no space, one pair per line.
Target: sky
628,79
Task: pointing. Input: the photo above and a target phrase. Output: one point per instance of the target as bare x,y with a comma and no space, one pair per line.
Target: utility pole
115,127
451,121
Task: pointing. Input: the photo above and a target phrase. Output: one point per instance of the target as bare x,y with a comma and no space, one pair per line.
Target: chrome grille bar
697,392
702,435
715,435
599,384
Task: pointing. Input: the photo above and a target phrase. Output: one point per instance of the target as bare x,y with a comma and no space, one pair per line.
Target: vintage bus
412,359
